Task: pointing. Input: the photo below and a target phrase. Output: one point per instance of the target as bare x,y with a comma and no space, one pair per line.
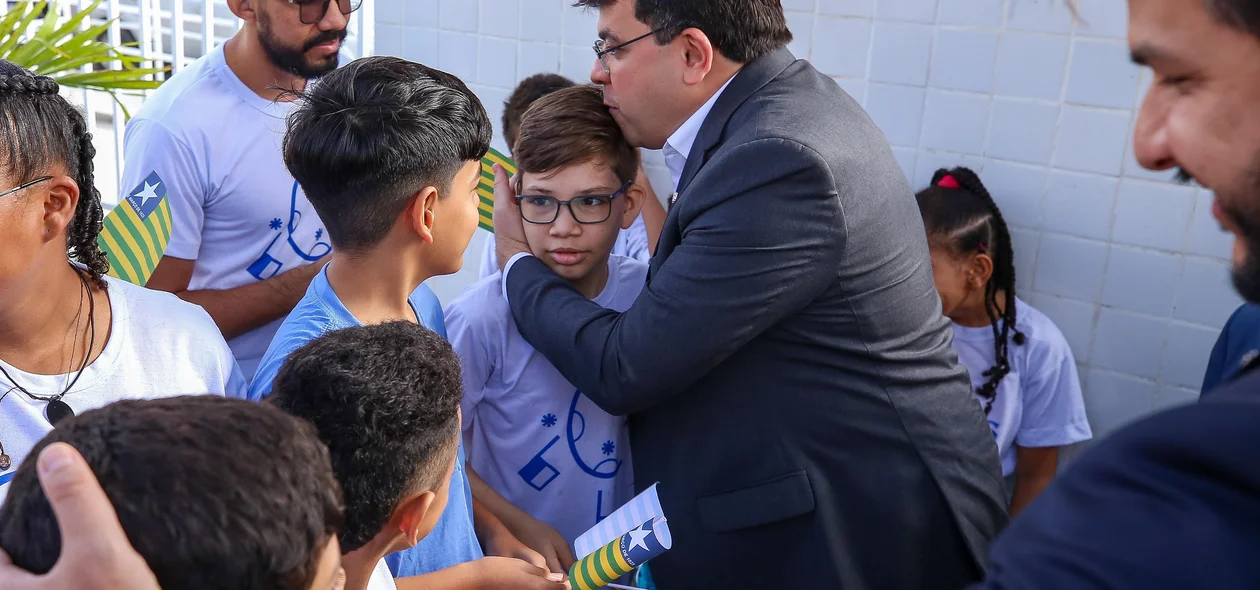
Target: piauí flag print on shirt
621,556
485,188
135,233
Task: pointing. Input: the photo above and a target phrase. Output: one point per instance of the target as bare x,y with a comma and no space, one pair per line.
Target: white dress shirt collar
678,147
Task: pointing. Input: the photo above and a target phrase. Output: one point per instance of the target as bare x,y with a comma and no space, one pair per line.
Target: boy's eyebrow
609,37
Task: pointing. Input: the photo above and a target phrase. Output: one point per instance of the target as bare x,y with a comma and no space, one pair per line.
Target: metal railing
170,34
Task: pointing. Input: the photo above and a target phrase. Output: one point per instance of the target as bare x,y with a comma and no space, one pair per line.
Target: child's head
973,263
46,149
214,493
385,399
529,90
389,151
576,181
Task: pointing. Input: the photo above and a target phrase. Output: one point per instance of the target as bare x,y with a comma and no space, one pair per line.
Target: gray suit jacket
787,369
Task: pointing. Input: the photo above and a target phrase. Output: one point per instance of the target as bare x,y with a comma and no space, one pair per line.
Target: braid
993,236
86,227
41,129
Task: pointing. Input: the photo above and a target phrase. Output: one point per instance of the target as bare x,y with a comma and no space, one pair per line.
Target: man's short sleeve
152,153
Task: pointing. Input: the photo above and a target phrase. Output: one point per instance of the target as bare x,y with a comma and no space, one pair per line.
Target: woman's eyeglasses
313,11
25,186
586,209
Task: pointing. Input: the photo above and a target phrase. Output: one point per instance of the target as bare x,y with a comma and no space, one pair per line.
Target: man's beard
294,60
1244,214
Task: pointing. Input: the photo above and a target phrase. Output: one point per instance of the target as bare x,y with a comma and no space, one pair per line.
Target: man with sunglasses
787,370
245,242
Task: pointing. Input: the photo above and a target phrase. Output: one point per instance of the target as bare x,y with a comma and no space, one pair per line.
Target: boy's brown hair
527,92
572,126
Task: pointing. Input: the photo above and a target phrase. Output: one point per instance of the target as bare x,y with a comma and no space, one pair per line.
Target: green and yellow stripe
134,246
485,188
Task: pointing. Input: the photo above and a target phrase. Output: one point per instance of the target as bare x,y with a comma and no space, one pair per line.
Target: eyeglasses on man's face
602,49
586,209
313,11
24,186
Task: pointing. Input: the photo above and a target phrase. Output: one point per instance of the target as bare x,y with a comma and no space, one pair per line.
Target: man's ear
60,204
980,270
421,213
243,9
634,203
409,516
698,54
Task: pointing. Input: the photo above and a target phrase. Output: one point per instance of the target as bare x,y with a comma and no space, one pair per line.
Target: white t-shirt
235,208
632,242
527,431
1039,403
381,578
159,346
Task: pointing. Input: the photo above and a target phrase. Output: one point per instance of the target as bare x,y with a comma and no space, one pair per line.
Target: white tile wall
1132,268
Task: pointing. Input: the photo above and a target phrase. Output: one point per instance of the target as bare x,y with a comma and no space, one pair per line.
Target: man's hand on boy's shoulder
509,229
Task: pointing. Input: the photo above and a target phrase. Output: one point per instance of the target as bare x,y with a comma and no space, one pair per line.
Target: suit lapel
748,81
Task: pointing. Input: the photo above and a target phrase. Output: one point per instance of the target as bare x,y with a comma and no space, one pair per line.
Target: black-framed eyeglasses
313,11
602,49
25,186
586,209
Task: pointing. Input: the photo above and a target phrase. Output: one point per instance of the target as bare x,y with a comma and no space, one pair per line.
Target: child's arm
487,573
496,539
1034,468
534,533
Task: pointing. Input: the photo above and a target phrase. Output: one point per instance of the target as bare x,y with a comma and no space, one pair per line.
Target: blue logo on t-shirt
539,472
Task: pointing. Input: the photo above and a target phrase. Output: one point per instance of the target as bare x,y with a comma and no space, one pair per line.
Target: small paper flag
621,556
134,235
485,189
644,506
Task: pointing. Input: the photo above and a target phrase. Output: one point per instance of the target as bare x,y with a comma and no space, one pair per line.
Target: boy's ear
980,270
421,213
243,9
634,203
409,516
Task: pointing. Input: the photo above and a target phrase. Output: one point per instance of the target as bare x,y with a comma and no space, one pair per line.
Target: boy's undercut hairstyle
385,399
529,90
214,493
741,30
40,129
963,217
572,126
369,136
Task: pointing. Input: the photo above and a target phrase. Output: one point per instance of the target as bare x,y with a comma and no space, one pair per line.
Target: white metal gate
149,29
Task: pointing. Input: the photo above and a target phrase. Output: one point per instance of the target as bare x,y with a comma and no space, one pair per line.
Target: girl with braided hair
1022,369
72,338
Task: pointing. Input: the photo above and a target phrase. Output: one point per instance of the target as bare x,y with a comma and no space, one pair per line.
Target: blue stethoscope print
538,473
268,266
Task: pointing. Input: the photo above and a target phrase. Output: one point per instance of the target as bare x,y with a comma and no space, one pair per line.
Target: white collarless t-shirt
159,346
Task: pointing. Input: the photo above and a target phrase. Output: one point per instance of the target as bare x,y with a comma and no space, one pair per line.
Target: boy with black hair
385,399
637,241
389,154
214,494
577,190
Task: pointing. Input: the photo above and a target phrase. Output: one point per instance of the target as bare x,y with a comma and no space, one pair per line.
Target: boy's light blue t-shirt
320,311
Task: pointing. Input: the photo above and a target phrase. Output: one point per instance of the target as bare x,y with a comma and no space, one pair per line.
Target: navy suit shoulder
1238,345
1169,502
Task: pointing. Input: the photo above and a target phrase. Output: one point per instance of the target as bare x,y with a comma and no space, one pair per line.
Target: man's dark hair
214,493
741,30
385,399
40,129
369,136
572,126
529,90
1241,14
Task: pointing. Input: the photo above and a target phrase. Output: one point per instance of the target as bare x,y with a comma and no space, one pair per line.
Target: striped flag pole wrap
621,556
134,235
485,188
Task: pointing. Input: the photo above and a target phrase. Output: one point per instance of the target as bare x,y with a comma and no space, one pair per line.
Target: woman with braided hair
72,338
1021,366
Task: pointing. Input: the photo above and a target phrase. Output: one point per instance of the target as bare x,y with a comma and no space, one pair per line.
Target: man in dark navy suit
1172,501
787,370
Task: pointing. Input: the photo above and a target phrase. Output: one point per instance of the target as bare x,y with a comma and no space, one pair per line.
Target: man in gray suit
787,371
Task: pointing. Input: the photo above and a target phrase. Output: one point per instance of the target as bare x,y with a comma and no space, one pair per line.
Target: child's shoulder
1040,332
631,274
481,303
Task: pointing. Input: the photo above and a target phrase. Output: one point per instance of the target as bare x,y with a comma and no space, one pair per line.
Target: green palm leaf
70,53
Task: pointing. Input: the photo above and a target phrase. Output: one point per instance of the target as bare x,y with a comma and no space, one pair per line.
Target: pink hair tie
948,181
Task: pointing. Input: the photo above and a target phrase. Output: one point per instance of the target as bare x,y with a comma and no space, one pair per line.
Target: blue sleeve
287,340
149,148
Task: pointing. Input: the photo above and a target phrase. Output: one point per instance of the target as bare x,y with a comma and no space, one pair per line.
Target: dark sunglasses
313,11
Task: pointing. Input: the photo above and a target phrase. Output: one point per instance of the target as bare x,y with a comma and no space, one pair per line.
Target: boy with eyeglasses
528,432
